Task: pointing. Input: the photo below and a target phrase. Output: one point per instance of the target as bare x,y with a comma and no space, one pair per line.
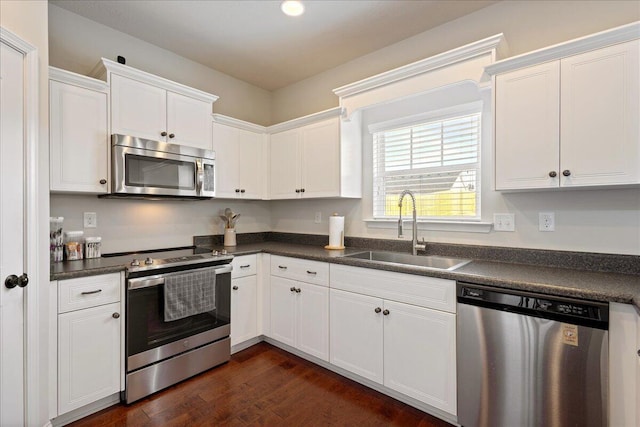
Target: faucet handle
422,246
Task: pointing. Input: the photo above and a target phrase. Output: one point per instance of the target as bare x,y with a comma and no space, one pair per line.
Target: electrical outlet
318,218
546,221
504,222
90,220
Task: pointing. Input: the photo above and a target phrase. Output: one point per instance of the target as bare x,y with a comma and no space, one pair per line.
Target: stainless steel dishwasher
528,359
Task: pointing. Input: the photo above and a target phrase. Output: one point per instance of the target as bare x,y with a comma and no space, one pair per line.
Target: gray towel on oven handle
189,293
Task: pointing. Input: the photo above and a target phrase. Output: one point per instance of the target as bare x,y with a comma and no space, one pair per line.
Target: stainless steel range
162,350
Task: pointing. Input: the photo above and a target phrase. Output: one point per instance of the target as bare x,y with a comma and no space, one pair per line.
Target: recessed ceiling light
292,7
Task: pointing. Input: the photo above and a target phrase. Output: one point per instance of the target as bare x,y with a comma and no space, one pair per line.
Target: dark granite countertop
577,283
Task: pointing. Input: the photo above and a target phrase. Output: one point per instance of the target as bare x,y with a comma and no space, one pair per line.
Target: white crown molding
237,123
10,39
573,47
65,76
305,120
495,43
106,66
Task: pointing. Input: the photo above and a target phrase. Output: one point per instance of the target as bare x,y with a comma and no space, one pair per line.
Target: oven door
150,339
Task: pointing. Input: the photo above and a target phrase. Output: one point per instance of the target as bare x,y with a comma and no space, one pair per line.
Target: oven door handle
157,280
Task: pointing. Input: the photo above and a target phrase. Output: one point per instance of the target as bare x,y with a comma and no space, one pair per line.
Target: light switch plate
90,220
504,222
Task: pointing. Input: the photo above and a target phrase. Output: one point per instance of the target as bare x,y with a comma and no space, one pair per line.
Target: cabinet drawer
244,265
84,292
303,270
430,292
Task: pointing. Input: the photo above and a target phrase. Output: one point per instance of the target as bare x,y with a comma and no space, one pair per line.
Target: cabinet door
285,165
244,306
599,125
79,139
283,310
320,159
225,144
251,164
312,320
356,334
189,121
138,109
88,356
527,128
420,354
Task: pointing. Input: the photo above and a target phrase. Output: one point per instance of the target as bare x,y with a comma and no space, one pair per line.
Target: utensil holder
229,236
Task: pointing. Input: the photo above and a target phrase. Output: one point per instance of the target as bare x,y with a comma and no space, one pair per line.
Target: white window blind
438,160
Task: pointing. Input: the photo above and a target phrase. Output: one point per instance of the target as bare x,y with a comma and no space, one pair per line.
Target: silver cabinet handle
282,267
115,315
91,292
245,266
235,288
377,310
312,272
386,312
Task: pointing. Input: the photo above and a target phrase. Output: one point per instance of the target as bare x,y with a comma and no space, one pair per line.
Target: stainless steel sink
431,261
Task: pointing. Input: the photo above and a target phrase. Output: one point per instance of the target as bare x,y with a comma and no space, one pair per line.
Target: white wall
527,25
28,20
127,225
77,44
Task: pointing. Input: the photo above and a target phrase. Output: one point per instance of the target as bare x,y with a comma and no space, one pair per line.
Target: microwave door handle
199,176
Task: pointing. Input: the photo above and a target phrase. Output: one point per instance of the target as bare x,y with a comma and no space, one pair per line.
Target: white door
356,333
188,121
12,232
225,144
283,310
285,165
420,354
244,309
599,118
312,320
320,159
251,164
528,128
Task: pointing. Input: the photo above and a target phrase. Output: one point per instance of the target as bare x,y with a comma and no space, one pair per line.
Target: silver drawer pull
91,292
312,272
245,266
282,267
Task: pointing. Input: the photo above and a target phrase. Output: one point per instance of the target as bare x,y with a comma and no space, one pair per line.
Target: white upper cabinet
150,107
240,158
79,137
316,156
571,121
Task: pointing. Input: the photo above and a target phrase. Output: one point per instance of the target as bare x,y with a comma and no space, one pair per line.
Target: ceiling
255,42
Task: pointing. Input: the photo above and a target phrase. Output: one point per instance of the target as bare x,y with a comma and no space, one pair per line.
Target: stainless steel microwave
146,168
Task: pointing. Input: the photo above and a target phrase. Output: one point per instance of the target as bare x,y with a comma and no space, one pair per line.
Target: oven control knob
223,252
148,261
135,263
215,253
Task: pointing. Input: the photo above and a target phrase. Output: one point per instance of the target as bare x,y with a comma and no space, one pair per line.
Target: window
438,160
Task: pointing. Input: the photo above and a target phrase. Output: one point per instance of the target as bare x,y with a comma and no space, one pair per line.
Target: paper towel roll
336,231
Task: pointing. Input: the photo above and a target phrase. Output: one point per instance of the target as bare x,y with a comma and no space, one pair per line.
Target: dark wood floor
264,385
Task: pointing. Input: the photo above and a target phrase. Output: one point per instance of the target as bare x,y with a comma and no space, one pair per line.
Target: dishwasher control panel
535,304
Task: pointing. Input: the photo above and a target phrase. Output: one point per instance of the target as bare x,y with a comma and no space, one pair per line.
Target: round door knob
377,310
235,288
297,190
566,172
242,191
638,353
163,133
103,181
298,290
172,135
302,190
292,289
12,281
115,315
237,190
553,174
385,312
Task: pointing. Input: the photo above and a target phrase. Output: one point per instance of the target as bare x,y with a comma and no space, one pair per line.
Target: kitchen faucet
414,244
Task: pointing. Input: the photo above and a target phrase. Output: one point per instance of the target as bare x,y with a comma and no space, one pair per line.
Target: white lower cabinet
299,309
244,299
406,346
89,340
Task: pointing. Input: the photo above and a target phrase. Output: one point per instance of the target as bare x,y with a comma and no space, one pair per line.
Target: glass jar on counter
93,247
73,245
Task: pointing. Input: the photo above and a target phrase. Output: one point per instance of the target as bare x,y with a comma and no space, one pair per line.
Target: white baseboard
85,411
